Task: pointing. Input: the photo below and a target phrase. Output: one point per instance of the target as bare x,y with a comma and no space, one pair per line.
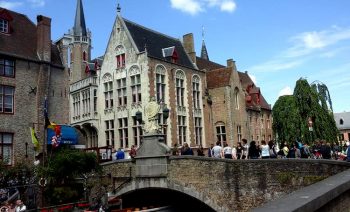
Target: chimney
43,34
189,46
231,63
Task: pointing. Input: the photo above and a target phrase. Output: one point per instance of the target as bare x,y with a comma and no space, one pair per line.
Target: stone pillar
152,157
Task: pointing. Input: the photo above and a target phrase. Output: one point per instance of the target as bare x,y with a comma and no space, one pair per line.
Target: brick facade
38,73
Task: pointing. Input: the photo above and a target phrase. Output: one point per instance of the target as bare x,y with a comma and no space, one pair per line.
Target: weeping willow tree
306,115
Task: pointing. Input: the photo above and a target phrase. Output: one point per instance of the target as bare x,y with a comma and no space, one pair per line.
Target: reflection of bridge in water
208,184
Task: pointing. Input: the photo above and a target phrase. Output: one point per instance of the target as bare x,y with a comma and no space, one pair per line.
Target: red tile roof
207,64
22,40
218,78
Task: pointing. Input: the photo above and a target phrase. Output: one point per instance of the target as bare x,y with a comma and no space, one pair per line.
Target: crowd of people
264,150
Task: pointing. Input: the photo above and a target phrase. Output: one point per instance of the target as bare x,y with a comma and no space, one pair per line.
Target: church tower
204,52
80,46
75,47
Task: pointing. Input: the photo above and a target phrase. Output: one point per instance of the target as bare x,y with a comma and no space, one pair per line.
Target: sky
277,42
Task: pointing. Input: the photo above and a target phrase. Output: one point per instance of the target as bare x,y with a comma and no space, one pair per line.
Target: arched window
160,83
236,96
108,90
196,92
135,76
220,132
180,88
341,121
120,56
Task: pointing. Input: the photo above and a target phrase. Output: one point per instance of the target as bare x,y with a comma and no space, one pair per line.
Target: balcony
90,81
84,118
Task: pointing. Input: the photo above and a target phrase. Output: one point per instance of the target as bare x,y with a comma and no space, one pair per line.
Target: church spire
204,52
79,28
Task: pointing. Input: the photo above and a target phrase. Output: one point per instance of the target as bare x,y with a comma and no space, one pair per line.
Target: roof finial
118,8
204,52
202,32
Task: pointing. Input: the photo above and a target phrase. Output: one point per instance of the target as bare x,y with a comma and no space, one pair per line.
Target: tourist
217,150
227,151
265,150
326,151
210,150
133,151
175,150
305,151
245,148
200,150
239,151
186,150
253,151
20,206
272,147
120,154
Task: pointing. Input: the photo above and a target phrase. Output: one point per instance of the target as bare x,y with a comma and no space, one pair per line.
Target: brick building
30,70
100,97
207,101
342,121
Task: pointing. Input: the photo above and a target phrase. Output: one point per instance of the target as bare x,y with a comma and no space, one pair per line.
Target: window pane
8,90
7,155
2,69
7,138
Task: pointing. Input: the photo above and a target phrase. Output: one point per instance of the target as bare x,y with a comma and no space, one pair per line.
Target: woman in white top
265,150
227,151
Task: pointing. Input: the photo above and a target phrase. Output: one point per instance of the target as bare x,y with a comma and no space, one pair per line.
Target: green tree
308,104
61,172
286,119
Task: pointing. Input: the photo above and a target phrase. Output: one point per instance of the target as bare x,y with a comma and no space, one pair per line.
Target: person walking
239,151
245,148
253,151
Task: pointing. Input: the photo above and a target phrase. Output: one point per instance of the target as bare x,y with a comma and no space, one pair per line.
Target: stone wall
236,184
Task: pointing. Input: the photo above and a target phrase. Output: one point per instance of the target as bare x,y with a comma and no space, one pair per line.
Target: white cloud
228,6
10,5
188,6
194,7
307,42
37,3
253,78
285,91
275,65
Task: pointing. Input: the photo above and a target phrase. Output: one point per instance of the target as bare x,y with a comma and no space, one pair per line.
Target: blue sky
277,42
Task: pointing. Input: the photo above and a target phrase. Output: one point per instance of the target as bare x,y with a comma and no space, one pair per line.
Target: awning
67,134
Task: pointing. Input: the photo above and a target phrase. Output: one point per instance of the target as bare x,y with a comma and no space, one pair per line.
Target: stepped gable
207,64
154,42
21,41
219,78
252,92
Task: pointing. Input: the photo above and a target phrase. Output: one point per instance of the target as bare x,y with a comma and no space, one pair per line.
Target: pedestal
152,157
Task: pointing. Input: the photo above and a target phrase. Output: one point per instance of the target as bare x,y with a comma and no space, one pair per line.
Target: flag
34,139
46,113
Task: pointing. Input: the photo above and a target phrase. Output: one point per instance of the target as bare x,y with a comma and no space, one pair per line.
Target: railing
92,80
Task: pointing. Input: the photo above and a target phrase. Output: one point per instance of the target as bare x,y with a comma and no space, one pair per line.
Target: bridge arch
175,194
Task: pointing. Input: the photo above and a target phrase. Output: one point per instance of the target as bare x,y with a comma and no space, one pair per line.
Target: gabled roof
218,78
21,42
345,116
207,64
154,42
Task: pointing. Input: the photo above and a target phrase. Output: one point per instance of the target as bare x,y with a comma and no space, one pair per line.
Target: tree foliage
292,114
61,171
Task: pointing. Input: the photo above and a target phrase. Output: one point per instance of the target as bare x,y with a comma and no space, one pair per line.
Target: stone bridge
210,184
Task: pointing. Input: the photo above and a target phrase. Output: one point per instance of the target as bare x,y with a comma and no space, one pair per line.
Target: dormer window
4,26
170,53
341,121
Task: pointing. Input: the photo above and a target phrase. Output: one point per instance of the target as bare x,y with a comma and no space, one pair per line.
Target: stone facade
38,73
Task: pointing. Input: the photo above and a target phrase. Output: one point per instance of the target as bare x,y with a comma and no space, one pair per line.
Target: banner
61,134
